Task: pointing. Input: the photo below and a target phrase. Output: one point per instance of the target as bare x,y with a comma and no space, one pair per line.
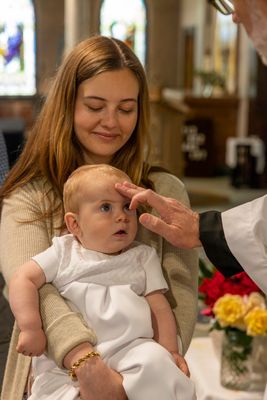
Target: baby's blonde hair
73,191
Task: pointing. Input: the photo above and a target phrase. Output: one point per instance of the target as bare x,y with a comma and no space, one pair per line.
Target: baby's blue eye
105,207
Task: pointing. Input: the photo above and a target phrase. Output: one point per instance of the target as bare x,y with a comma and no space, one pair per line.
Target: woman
97,111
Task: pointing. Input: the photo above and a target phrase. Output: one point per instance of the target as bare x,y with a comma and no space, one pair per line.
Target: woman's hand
99,382
96,380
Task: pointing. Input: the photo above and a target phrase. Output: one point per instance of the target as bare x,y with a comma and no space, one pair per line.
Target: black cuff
213,240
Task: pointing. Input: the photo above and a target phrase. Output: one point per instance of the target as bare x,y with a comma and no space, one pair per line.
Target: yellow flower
254,300
256,322
229,310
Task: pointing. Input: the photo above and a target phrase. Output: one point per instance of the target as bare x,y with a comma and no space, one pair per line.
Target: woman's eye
105,207
126,111
94,109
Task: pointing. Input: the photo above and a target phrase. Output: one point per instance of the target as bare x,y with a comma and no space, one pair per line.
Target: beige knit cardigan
64,329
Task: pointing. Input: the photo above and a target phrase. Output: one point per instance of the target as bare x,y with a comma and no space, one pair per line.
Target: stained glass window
17,48
125,20
225,50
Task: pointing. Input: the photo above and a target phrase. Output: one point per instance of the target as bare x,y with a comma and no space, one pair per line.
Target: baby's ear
71,221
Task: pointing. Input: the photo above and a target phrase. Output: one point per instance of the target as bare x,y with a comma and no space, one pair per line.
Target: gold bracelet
77,363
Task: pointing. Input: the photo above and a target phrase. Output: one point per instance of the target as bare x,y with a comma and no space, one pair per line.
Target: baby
116,284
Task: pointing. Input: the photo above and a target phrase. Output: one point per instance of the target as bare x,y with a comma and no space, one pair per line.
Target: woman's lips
106,136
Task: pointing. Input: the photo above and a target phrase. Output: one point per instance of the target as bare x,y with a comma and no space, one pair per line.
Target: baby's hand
31,342
181,363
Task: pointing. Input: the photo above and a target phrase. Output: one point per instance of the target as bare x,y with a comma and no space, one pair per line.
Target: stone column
77,22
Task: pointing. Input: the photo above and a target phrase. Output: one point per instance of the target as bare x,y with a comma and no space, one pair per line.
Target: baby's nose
122,216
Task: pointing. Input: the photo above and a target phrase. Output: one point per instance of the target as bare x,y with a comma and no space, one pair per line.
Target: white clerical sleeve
245,229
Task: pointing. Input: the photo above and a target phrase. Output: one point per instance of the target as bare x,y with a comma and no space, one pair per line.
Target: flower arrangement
238,307
247,313
235,302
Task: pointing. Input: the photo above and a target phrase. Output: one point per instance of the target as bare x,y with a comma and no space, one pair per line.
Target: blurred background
208,89
207,85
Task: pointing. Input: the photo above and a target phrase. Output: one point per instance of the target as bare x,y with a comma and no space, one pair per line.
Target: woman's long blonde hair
52,151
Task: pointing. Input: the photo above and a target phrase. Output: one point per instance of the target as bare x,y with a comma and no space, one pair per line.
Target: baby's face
106,223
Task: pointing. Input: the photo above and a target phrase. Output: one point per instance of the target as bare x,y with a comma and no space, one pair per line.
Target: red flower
217,286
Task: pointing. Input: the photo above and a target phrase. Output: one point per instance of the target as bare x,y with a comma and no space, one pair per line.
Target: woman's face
105,113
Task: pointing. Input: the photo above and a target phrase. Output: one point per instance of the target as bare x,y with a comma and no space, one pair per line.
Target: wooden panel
166,128
222,111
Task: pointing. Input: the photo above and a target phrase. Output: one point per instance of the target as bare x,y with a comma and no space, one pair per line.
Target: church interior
207,93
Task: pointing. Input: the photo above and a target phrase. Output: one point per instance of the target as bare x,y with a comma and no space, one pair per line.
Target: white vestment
245,230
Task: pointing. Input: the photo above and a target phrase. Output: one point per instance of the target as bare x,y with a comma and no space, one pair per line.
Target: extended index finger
128,189
140,195
151,198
